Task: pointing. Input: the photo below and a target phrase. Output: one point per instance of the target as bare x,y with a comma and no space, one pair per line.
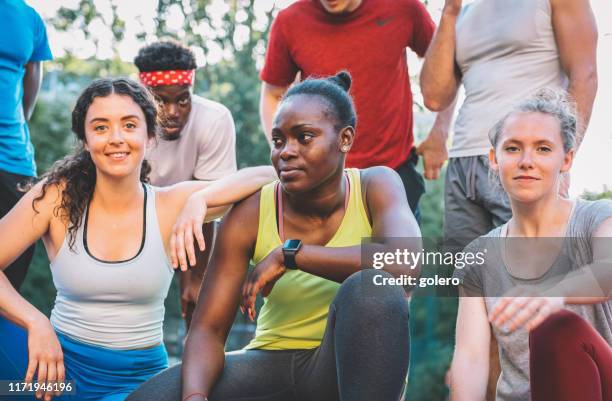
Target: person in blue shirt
23,47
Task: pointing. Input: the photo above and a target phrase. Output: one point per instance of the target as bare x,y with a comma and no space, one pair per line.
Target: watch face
292,244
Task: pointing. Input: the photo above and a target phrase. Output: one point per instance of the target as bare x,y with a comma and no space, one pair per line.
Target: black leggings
363,356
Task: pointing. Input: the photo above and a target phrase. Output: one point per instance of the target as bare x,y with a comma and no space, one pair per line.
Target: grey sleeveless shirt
506,51
117,305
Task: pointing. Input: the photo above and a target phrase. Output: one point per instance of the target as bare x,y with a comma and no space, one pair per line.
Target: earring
345,148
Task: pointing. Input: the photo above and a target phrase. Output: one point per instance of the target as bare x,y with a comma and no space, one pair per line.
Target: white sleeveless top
118,305
506,52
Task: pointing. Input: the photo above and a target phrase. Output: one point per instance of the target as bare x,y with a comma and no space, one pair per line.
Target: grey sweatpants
473,203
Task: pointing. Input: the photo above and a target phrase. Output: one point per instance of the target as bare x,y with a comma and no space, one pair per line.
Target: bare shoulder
381,181
37,214
238,232
378,175
387,204
244,217
44,198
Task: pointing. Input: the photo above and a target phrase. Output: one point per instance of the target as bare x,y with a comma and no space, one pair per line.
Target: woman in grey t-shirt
548,260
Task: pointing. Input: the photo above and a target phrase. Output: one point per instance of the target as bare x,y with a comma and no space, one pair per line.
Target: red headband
170,77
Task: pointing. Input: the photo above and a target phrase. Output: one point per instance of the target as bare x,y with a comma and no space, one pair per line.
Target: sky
592,166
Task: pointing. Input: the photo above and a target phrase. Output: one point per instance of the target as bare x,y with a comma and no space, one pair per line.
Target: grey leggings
363,356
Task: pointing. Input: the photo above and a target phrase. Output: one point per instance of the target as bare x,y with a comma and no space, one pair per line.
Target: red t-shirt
371,44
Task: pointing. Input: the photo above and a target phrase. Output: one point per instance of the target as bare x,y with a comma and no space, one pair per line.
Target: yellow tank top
294,314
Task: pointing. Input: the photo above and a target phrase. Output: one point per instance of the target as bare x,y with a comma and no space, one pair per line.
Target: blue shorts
99,373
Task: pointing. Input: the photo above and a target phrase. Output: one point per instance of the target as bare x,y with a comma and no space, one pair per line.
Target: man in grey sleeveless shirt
502,52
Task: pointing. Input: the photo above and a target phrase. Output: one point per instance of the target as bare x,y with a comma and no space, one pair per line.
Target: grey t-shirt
506,51
493,279
206,149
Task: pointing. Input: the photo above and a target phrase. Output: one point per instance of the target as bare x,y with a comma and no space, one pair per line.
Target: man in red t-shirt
369,39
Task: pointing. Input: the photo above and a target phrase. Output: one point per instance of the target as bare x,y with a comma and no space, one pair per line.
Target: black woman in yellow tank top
328,330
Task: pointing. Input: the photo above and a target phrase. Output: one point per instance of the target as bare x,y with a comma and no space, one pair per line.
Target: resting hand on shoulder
199,201
188,225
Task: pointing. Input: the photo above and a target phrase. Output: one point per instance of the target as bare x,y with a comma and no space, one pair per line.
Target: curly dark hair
334,91
163,56
75,174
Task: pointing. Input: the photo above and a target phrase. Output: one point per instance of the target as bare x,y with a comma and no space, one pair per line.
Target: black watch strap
290,249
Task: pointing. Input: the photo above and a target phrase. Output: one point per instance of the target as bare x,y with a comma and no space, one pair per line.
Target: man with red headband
198,138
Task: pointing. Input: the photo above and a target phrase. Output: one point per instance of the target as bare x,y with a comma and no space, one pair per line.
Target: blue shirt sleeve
41,49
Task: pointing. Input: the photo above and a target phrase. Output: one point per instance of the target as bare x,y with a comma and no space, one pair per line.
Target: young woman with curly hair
108,235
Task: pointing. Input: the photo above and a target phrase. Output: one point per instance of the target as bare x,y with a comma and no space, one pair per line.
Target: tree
606,194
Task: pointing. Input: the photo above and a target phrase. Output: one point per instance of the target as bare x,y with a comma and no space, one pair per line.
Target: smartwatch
290,248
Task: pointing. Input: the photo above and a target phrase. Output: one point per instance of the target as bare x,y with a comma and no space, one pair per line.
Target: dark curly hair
163,56
75,174
334,90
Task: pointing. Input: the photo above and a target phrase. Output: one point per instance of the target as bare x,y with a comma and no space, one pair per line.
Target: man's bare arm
433,148
440,77
268,103
31,86
576,37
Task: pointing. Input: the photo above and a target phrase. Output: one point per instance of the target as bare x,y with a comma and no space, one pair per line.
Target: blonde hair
553,102
548,101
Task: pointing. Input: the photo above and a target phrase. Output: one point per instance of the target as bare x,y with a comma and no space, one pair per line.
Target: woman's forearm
470,365
586,300
203,361
591,284
15,308
237,186
468,378
337,264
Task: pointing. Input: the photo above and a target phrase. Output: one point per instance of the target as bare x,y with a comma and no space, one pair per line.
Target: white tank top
118,305
506,52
